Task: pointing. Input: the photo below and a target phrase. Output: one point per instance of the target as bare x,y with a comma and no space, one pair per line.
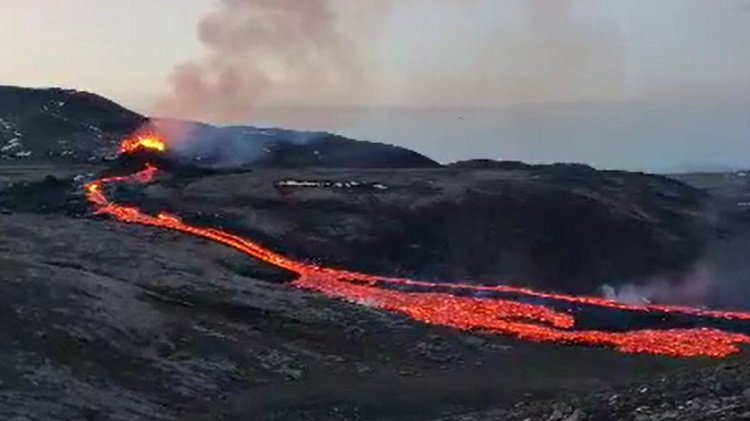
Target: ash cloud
259,48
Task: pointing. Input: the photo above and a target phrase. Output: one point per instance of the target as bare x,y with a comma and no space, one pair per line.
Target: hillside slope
43,125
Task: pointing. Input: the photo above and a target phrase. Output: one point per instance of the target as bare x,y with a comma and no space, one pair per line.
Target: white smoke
260,47
231,147
625,294
693,288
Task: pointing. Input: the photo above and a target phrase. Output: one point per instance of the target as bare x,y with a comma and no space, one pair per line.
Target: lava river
501,310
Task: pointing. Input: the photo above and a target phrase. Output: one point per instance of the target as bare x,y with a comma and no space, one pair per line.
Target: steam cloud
694,288
262,47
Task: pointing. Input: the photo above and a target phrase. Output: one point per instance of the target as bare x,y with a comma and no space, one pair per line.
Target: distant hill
491,164
74,126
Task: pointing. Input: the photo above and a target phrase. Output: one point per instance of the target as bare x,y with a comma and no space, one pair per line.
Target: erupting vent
143,143
447,304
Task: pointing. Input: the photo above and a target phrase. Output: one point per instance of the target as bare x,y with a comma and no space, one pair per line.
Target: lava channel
529,322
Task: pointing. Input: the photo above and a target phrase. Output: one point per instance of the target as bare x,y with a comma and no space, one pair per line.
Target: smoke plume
694,288
259,48
294,52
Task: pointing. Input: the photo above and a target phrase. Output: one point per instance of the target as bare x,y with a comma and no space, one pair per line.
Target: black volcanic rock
104,321
491,164
564,228
487,164
716,393
74,126
331,151
43,124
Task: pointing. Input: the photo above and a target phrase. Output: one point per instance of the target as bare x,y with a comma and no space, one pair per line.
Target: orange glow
530,322
143,142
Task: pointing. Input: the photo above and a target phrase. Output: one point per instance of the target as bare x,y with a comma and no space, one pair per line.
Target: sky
636,84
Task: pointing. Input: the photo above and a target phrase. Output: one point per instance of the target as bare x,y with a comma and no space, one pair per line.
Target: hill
61,125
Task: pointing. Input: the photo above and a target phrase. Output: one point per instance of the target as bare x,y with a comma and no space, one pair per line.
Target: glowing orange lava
532,322
143,142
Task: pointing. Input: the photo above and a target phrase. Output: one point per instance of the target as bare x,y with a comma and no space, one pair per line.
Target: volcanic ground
110,321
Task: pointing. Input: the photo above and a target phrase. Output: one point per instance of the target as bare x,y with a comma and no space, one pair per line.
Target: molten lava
532,322
142,143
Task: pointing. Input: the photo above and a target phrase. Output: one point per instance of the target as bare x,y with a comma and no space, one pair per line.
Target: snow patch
331,184
14,143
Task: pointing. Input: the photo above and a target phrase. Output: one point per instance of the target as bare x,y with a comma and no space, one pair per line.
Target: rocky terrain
715,393
105,321
521,226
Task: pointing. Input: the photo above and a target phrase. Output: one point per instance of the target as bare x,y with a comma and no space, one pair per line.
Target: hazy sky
490,54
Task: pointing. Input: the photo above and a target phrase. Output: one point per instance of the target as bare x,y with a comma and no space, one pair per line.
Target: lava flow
532,322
